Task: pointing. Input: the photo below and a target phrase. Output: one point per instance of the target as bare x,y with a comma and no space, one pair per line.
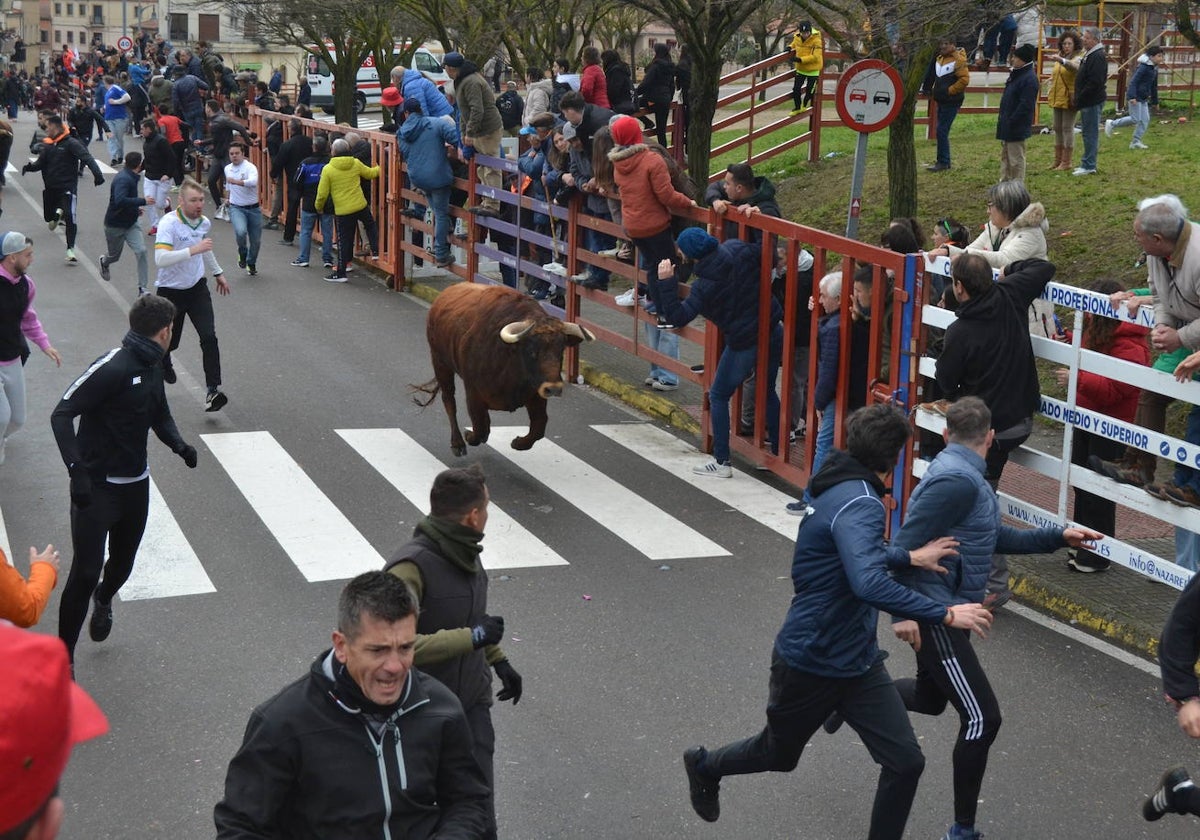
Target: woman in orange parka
22,602
647,200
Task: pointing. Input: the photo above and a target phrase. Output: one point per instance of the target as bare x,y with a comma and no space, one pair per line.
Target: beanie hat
569,131
13,243
626,131
695,243
44,712
454,59
1026,52
390,97
412,106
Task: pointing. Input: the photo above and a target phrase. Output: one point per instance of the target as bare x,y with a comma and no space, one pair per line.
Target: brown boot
1058,155
1066,165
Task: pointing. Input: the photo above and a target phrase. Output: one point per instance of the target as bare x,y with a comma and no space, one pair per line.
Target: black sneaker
105,274
1165,800
251,269
169,376
241,262
215,401
704,792
102,619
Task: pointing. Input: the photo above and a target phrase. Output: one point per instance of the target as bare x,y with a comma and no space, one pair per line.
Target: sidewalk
1122,605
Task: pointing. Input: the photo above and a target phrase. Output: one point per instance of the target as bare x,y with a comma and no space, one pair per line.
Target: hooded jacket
118,399
313,764
987,353
1180,645
58,160
955,500
763,198
808,53
1014,123
1023,239
414,85
618,84
341,180
1144,85
658,84
1108,396
840,576
537,99
951,76
125,200
725,292
647,196
478,114
423,142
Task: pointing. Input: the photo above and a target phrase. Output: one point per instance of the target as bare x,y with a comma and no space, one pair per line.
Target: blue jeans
732,369
946,112
667,343
1139,118
307,222
247,230
116,138
596,241
439,202
1186,476
824,443
1089,121
1187,549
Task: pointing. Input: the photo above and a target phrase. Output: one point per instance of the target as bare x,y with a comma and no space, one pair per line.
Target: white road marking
4,541
743,492
411,468
637,520
317,536
166,565
1083,638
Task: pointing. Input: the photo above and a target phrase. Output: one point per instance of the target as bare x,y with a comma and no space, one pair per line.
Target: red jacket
647,197
593,86
1116,399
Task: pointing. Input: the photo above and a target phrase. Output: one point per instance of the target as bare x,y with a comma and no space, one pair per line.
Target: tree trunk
902,150
345,88
706,78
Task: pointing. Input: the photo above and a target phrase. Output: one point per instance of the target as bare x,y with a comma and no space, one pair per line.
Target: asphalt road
640,606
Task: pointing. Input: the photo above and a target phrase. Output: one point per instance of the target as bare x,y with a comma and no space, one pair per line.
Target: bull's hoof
474,439
459,449
524,442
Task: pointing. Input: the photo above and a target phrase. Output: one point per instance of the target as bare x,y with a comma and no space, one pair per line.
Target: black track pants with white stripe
949,671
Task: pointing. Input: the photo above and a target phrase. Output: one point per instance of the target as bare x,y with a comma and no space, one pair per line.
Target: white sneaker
1108,126
1083,171
1138,145
626,298
714,468
71,258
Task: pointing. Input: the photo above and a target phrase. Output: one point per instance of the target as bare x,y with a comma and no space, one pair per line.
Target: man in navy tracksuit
121,226
955,498
826,658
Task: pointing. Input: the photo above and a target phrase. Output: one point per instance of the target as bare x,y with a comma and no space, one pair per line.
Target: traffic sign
124,43
869,95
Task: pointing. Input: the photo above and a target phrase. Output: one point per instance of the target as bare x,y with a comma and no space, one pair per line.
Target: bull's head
542,343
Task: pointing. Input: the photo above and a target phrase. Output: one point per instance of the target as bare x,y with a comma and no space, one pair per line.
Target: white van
320,79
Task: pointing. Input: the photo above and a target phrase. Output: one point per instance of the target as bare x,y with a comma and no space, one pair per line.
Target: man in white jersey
241,179
183,254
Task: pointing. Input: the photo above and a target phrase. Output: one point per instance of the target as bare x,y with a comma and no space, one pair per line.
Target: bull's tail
430,389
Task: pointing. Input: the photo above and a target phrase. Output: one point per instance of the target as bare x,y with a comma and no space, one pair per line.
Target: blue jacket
1144,85
954,500
840,576
125,200
433,102
725,292
829,330
535,166
1015,121
138,74
423,143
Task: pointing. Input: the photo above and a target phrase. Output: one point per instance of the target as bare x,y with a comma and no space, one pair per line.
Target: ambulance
369,87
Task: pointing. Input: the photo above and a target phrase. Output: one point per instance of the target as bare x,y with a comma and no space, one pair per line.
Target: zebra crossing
323,543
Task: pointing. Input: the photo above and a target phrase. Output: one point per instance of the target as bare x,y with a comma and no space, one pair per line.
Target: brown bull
507,351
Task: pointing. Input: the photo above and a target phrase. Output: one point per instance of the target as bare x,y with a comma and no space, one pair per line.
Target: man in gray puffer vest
954,499
456,639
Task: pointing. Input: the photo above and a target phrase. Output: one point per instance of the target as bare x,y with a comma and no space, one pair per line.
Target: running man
241,179
60,158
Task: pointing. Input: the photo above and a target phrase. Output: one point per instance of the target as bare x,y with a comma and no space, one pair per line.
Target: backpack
556,95
309,174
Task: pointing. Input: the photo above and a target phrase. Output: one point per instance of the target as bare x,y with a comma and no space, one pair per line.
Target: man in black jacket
118,400
1090,93
587,118
121,226
159,163
363,746
286,161
59,159
308,178
987,354
457,640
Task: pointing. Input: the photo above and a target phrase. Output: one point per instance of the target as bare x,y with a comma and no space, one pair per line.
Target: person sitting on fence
1121,340
808,54
423,142
725,292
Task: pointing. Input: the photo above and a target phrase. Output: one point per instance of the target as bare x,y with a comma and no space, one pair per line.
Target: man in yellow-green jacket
341,182
808,52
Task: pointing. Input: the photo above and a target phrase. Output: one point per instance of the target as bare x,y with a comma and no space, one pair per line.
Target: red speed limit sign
124,43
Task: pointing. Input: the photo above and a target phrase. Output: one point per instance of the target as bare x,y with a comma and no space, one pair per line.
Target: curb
1029,587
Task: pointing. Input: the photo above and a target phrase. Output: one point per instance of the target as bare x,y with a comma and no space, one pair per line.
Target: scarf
146,349
457,543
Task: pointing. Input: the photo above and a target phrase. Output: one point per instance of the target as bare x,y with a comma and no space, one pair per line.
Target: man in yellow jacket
808,52
341,181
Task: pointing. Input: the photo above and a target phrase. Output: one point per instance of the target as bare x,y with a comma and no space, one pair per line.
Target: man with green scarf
456,639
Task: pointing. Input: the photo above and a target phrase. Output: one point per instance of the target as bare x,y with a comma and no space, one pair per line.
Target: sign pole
856,186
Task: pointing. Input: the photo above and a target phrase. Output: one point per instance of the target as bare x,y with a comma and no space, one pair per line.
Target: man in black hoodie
118,400
457,640
286,162
364,745
59,158
987,354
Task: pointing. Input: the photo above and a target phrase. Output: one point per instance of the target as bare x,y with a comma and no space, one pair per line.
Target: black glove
99,180
489,631
511,681
81,487
188,454
25,169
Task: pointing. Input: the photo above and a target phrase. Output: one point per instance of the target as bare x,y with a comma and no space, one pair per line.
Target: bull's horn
577,331
514,332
